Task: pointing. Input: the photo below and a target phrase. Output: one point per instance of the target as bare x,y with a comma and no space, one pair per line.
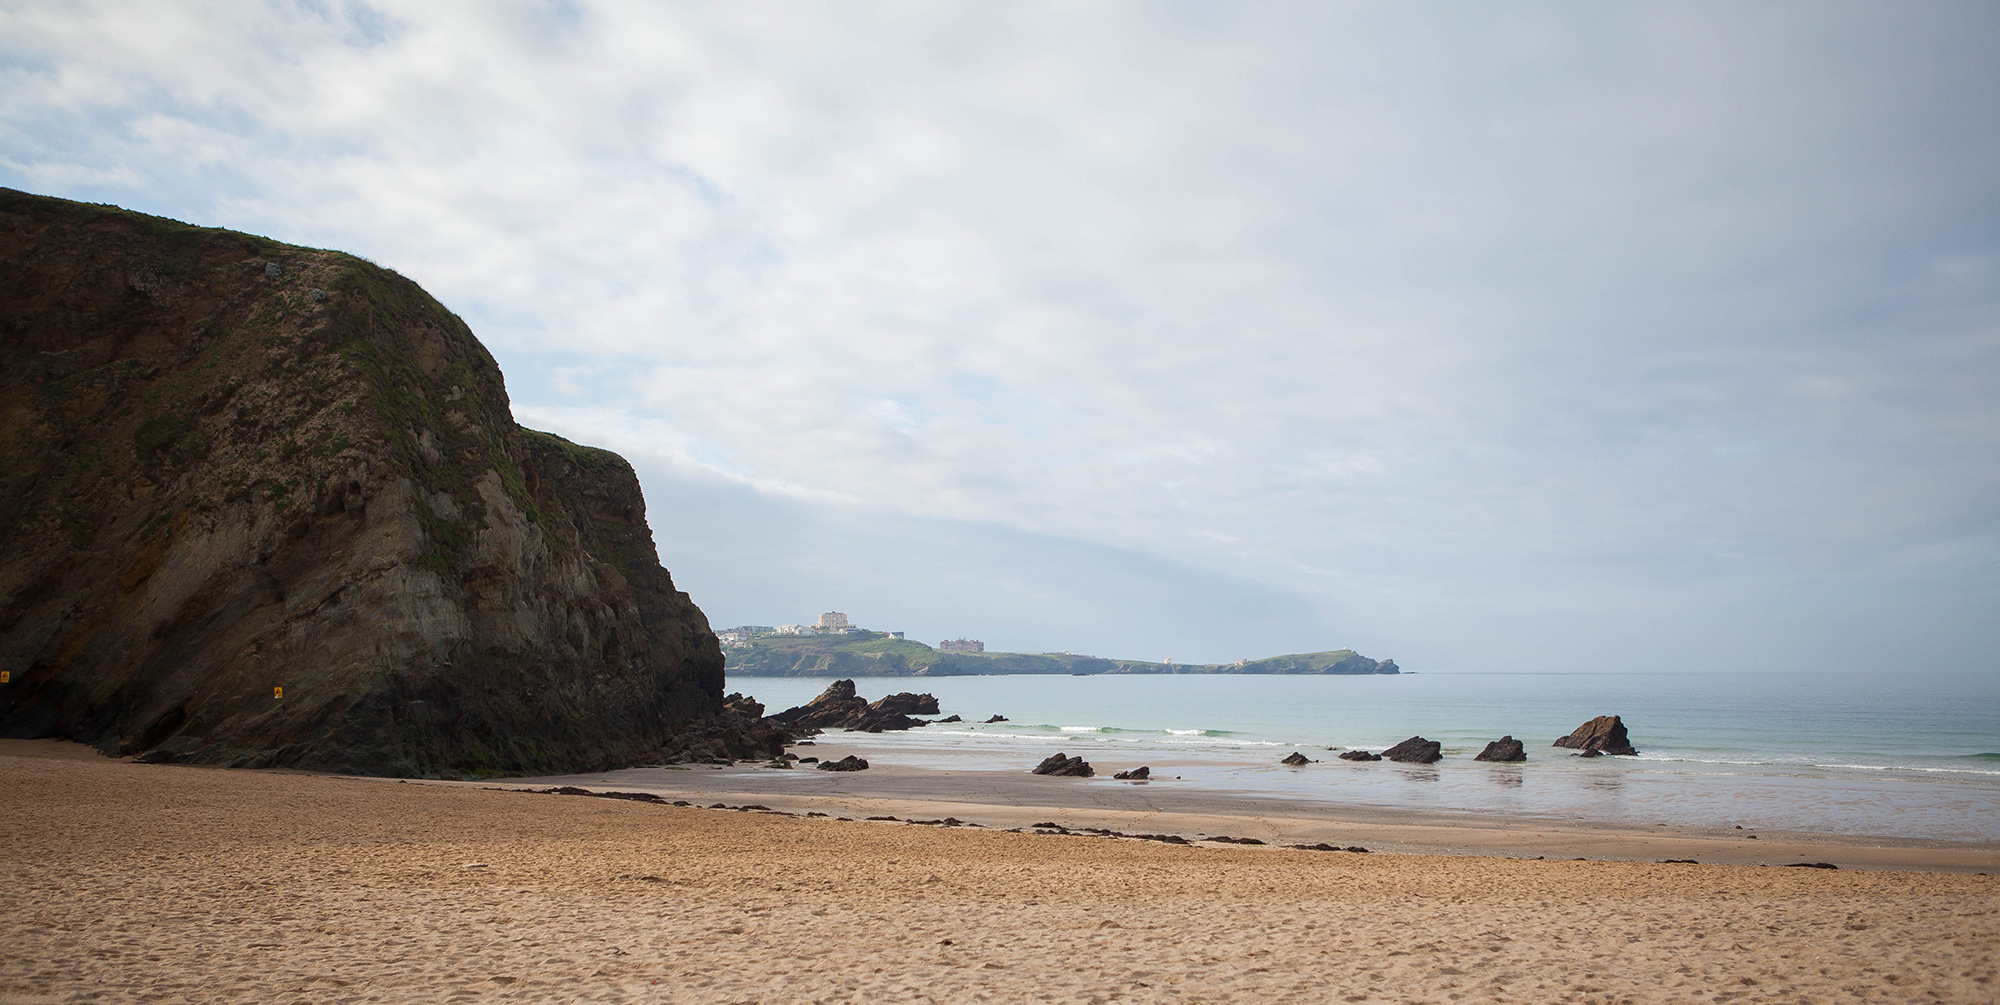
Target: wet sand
1005,799
129,882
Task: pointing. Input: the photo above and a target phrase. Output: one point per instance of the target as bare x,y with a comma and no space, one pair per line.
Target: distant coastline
881,654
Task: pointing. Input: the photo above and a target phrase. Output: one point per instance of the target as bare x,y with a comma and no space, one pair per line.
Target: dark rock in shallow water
1416,750
1592,752
905,703
848,763
838,707
834,706
871,722
1296,759
1138,774
951,718
1505,748
1058,764
997,718
1359,755
1605,733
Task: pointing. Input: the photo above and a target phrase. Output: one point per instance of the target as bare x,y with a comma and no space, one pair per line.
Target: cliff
229,465
873,654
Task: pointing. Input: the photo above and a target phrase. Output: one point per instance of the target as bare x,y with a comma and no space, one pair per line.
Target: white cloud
1485,311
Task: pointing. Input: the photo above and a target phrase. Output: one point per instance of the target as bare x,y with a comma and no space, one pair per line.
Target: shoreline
1004,800
1746,752
1015,800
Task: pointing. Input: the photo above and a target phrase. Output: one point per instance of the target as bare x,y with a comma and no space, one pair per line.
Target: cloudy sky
1486,337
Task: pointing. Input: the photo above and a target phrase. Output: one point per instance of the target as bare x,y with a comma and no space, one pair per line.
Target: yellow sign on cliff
277,692
6,675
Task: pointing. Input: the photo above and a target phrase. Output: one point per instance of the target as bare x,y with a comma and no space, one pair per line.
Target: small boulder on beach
1416,750
1359,755
1138,774
848,763
1605,734
1296,759
1062,765
1505,748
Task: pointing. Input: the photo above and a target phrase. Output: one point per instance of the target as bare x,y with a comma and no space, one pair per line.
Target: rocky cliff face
228,466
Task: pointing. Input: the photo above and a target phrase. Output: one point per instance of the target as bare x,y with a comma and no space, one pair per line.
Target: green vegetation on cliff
875,654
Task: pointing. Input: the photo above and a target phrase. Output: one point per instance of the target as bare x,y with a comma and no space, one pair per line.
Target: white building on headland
962,646
830,623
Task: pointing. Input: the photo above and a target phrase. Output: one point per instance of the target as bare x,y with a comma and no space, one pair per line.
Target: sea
1912,755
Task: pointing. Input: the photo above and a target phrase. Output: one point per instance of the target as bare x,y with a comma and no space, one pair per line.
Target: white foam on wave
1794,763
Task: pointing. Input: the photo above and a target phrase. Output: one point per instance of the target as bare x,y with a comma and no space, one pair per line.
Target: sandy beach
130,882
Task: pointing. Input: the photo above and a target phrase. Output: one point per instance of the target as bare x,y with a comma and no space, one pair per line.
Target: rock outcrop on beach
1604,734
833,706
1505,748
268,505
1138,774
1359,755
1416,750
1295,759
739,731
997,718
848,763
839,707
1059,764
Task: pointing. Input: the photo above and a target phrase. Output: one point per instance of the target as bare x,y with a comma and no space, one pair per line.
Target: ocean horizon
1911,755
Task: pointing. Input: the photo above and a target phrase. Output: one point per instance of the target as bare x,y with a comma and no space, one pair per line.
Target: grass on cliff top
175,235
1299,662
581,455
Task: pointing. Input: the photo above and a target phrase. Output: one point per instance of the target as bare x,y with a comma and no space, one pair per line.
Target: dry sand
130,882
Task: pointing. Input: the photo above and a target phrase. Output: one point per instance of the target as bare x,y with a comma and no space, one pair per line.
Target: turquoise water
1894,754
